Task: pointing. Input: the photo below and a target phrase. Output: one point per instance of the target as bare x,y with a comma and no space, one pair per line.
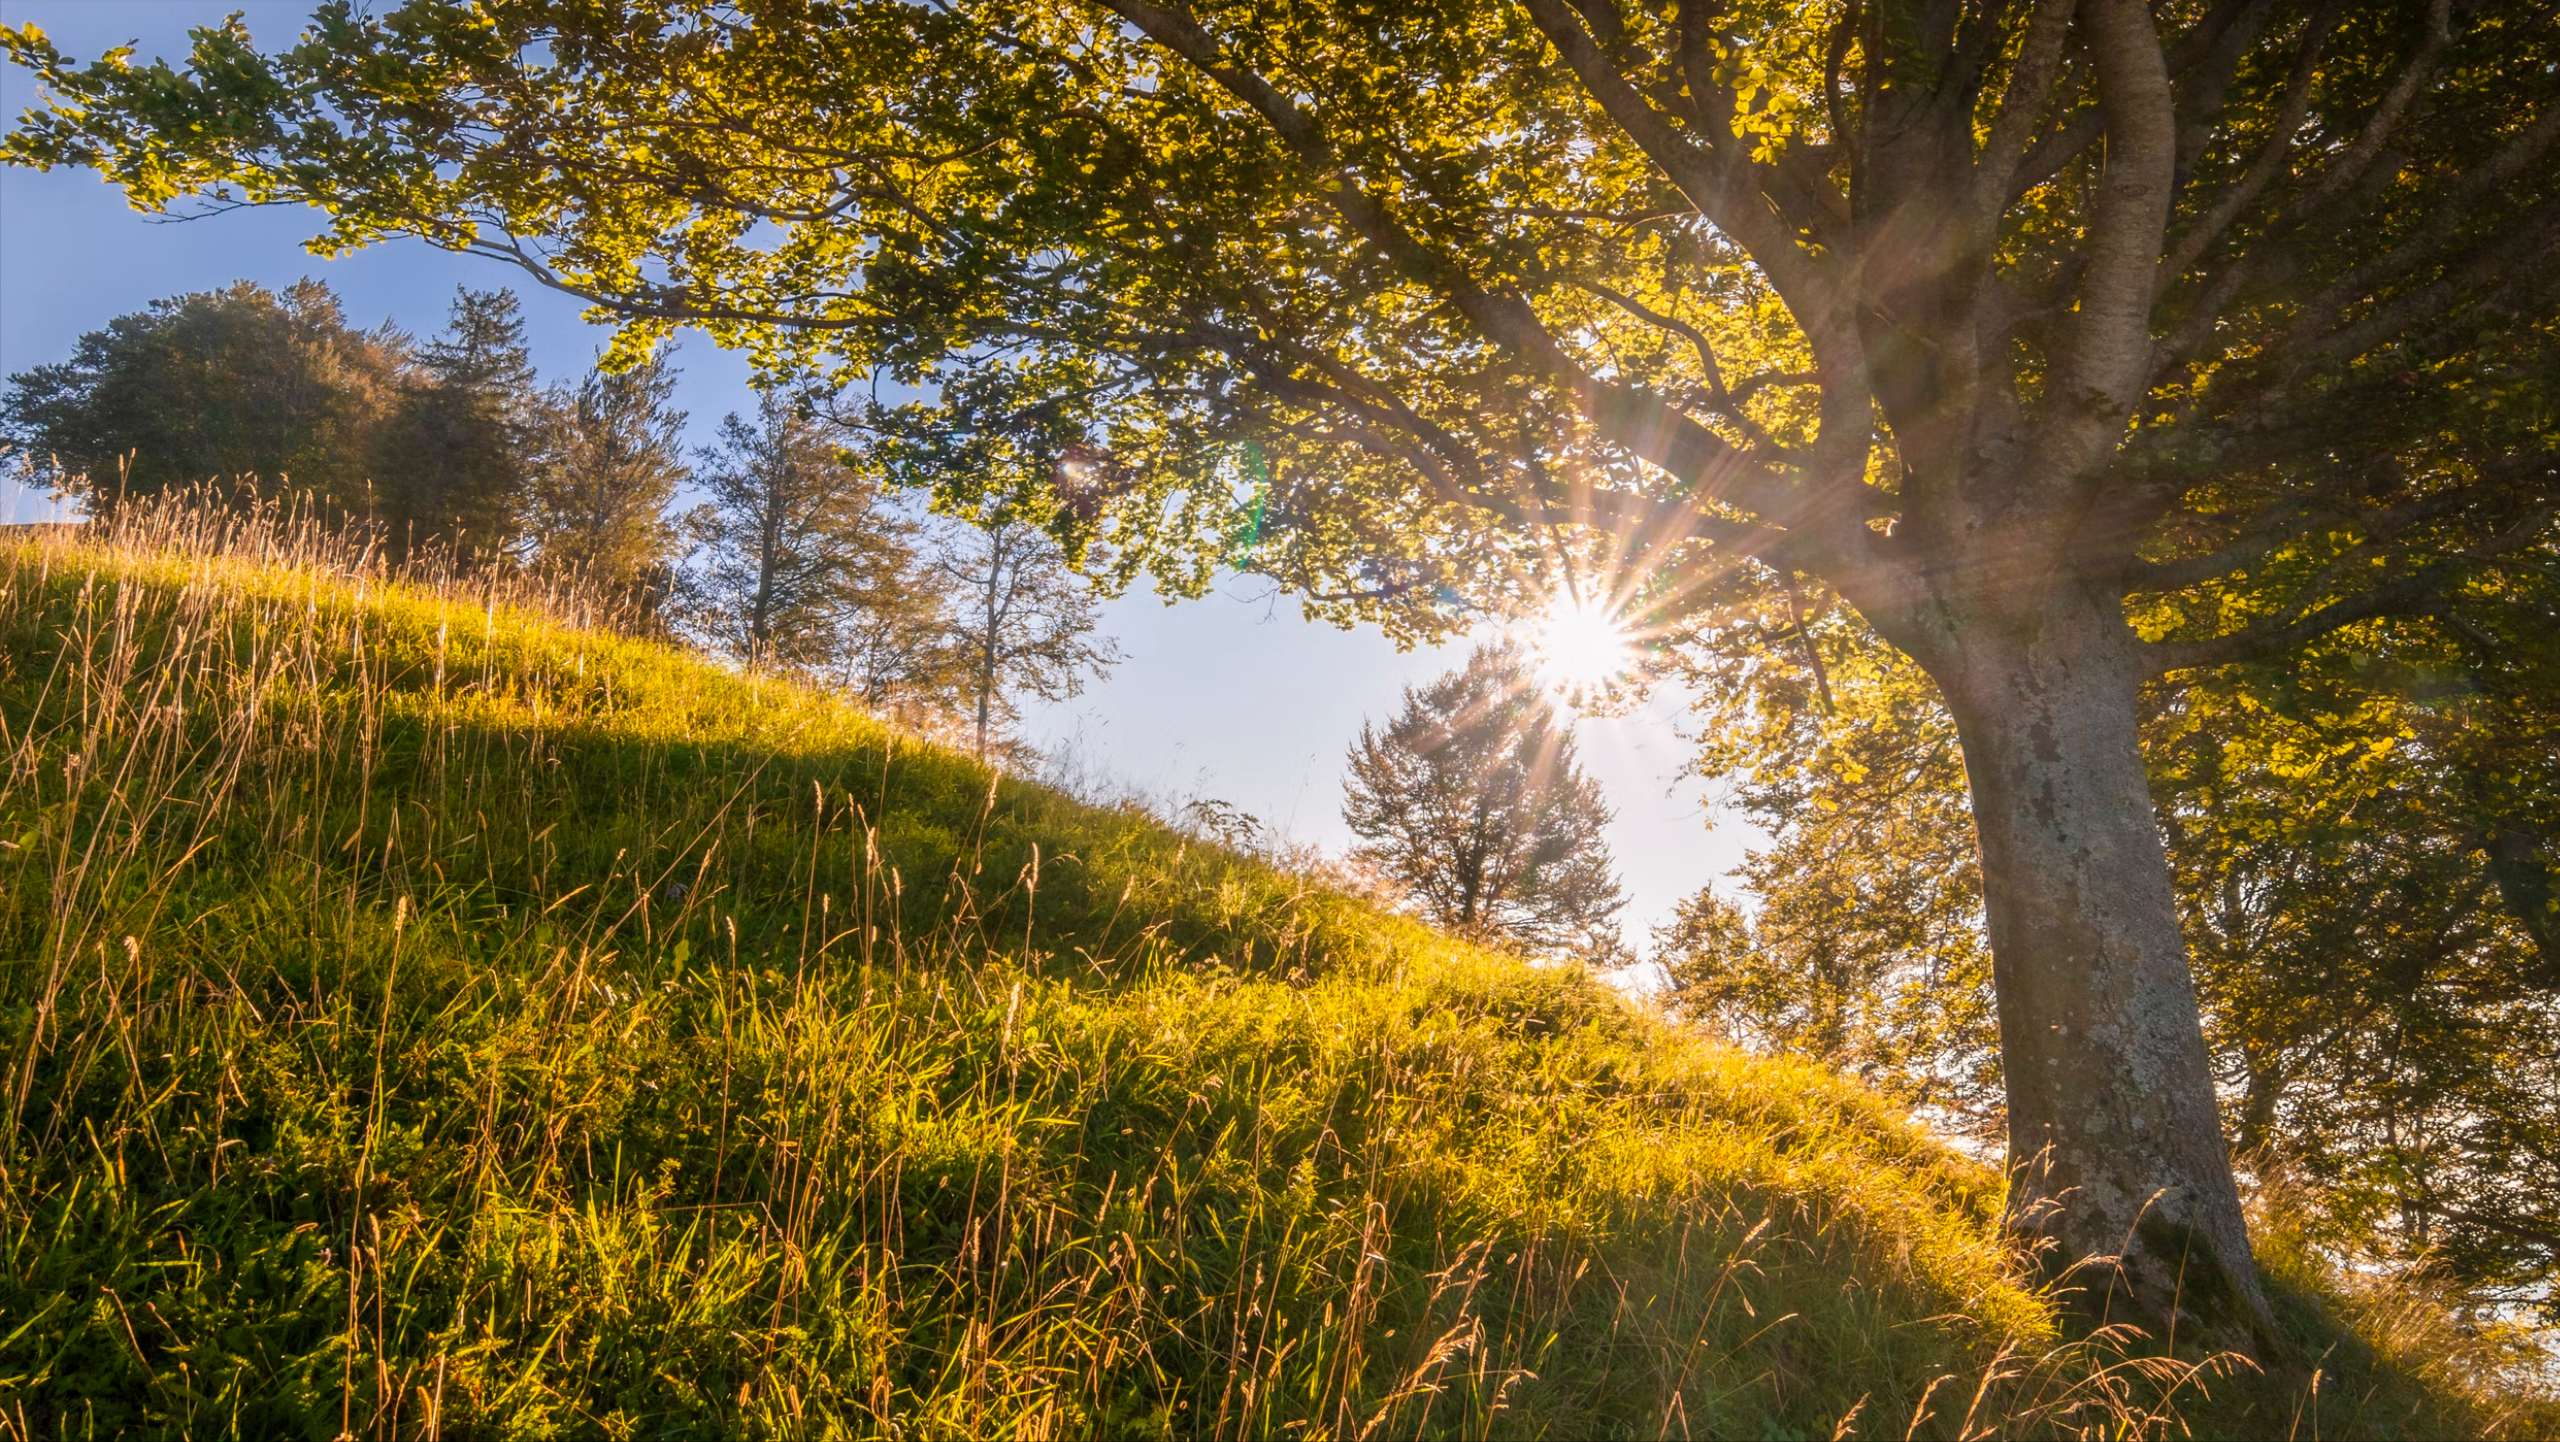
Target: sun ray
1583,649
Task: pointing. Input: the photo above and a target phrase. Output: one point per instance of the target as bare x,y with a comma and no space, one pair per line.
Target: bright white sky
1234,696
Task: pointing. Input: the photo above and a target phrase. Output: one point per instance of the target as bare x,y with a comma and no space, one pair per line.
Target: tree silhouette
1472,800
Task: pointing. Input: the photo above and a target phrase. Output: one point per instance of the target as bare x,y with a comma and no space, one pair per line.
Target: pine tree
799,542
611,460
1472,799
456,457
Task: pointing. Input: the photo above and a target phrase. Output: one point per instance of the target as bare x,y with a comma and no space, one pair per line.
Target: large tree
235,388
2361,839
2010,320
2364,834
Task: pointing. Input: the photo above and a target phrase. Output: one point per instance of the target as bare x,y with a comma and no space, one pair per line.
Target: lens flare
1582,649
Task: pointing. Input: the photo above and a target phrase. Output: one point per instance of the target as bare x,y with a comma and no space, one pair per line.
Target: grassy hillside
425,1018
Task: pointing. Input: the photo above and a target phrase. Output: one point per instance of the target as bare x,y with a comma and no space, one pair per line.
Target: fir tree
456,457
611,460
798,542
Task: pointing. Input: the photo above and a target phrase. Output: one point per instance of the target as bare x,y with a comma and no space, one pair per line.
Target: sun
1583,650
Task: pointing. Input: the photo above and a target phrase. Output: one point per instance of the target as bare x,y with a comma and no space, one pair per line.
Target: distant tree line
780,546
805,564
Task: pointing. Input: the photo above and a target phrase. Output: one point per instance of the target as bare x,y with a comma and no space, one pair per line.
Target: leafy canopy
237,386
1854,290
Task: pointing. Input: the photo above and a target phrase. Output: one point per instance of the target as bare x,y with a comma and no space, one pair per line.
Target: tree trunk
2115,1139
987,639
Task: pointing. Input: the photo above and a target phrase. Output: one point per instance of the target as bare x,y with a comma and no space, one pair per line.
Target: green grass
425,1018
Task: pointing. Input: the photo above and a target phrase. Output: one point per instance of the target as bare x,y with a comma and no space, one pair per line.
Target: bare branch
2023,105
2106,358
2272,156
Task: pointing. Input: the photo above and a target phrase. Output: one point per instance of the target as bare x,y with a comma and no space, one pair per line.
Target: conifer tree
799,541
612,457
1471,799
455,458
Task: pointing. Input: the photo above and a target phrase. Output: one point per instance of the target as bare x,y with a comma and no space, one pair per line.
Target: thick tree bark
2115,1135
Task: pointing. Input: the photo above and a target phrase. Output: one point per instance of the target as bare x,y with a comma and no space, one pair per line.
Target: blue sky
1234,696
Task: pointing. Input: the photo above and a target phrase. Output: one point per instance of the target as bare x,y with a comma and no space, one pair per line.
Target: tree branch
1723,402
2289,521
2271,157
2106,356
2286,630
1711,181
1647,426
2023,105
2350,167
2530,237
2511,161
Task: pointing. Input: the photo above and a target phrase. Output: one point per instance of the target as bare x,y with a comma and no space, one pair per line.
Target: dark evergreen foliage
455,456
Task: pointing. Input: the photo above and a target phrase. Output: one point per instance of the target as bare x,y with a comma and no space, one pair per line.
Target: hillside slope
424,1018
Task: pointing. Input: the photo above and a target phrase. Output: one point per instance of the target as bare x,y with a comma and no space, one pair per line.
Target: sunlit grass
425,1016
